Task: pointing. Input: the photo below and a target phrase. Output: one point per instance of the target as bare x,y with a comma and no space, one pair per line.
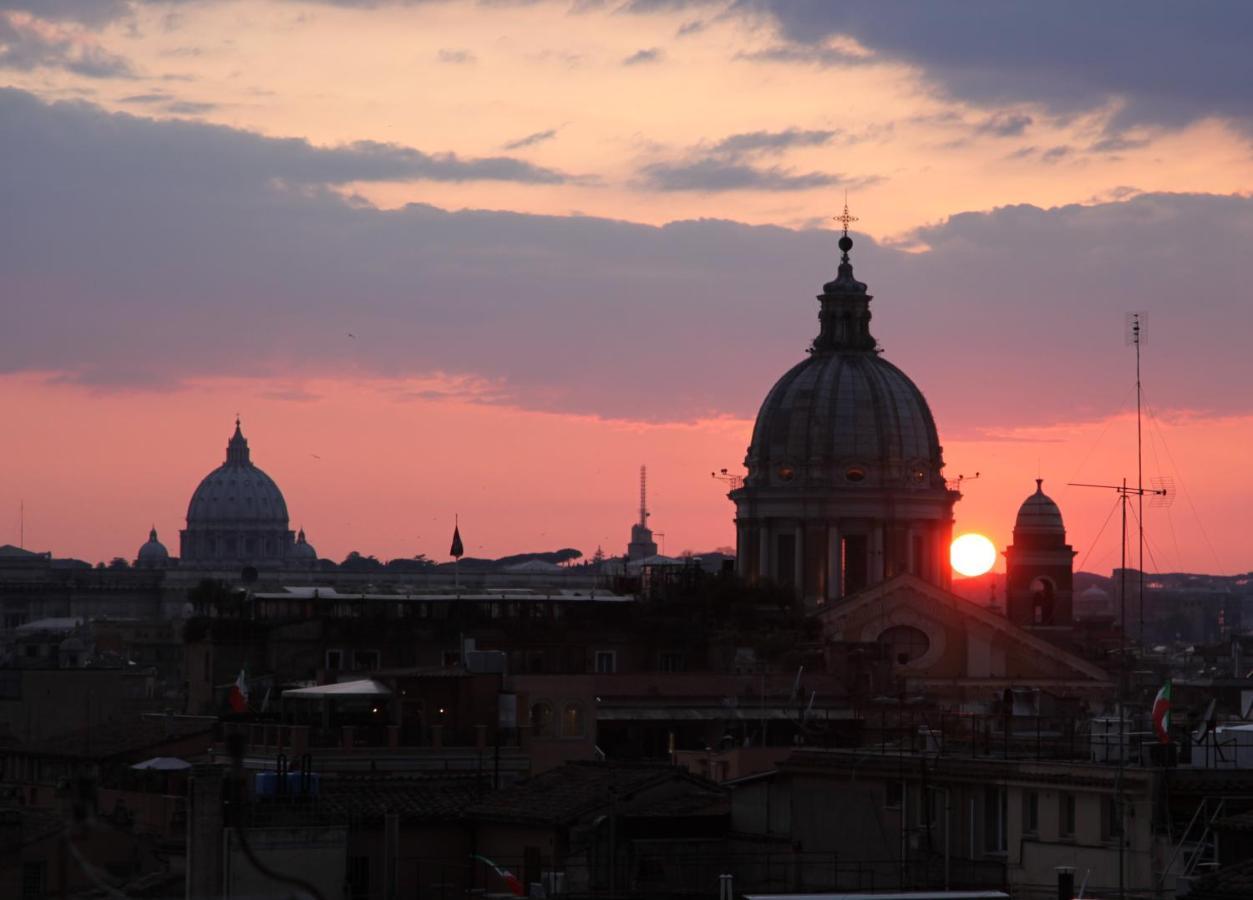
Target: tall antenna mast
1136,322
643,496
1125,493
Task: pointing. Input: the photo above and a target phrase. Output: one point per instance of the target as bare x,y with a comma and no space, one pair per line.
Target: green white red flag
1161,714
238,696
511,881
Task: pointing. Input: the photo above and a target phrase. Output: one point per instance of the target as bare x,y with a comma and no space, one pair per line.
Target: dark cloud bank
142,252
1170,63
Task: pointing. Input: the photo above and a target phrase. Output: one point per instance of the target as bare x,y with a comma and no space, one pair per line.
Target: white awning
367,687
164,764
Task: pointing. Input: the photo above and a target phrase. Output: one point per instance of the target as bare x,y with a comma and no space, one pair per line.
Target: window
894,795
334,660
1030,812
905,644
606,662
10,685
34,877
994,808
572,721
785,559
1066,815
358,877
1111,819
542,719
672,662
853,563
367,660
917,555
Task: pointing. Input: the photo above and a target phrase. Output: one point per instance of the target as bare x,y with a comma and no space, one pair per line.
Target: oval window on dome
786,473
919,475
855,474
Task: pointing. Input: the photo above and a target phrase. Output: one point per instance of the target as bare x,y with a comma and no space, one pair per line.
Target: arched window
572,724
542,719
1043,599
904,643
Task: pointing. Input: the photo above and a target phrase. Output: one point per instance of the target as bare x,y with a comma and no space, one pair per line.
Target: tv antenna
643,496
733,482
1125,493
1136,336
955,484
1162,494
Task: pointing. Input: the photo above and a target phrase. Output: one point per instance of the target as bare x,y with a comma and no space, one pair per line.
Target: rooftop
563,795
109,739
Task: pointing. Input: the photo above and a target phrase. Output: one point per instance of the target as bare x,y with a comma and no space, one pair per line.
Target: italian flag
509,878
1161,714
238,696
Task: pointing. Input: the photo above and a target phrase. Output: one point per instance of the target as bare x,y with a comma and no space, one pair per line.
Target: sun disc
972,554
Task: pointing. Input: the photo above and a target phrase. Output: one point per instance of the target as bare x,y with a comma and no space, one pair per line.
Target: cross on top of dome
844,218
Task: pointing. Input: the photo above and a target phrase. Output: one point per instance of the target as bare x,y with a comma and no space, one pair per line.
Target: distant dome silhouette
302,550
237,514
153,553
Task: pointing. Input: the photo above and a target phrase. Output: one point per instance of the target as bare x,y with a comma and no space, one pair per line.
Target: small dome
153,553
303,550
1039,514
1093,603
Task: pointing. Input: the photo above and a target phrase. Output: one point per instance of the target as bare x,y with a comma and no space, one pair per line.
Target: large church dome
845,484
237,491
237,513
845,414
845,418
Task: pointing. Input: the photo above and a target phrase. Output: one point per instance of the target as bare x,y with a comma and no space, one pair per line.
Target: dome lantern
844,317
237,448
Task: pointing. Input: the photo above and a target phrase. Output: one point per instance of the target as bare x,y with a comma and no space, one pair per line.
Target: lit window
572,721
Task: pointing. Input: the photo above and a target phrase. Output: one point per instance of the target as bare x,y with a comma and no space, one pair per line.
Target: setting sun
972,554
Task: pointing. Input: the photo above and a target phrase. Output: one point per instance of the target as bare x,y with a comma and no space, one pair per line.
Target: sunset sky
487,258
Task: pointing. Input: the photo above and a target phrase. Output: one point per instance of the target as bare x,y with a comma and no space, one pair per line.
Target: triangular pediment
906,599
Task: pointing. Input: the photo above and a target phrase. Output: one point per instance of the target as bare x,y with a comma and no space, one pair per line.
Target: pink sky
571,239
364,467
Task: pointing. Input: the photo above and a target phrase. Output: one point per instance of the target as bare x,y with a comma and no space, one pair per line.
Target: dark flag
457,550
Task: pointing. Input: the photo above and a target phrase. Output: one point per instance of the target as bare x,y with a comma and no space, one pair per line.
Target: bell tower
1039,566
